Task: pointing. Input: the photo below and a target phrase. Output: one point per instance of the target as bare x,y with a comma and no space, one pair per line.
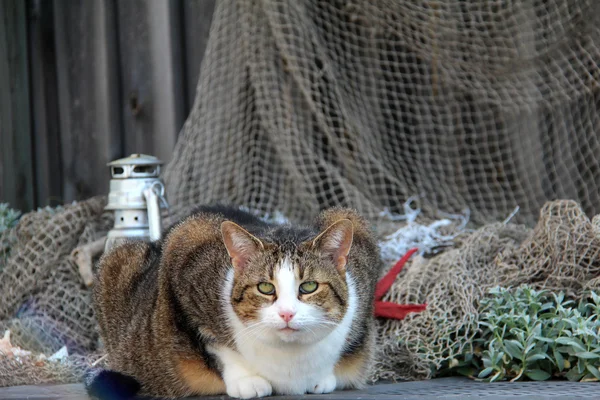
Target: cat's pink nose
287,315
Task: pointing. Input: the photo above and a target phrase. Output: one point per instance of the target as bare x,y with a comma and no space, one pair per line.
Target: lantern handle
154,218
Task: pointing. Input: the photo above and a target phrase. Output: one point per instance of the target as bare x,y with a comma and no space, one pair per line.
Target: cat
228,303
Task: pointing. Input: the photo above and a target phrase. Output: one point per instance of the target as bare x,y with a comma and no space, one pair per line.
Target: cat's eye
308,287
266,288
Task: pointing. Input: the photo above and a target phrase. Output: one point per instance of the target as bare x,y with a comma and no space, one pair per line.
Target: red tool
390,310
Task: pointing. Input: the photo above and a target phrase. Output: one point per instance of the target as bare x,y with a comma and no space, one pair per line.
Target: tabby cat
227,303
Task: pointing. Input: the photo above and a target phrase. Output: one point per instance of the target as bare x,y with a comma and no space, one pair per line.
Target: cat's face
297,297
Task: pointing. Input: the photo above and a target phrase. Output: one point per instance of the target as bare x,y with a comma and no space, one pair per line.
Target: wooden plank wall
16,169
91,81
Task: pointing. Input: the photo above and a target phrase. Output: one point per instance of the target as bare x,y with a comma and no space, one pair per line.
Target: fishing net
560,254
481,104
44,303
475,108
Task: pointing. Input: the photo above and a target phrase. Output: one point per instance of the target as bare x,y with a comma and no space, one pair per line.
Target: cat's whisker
257,336
251,326
252,331
313,322
312,332
245,331
254,336
249,329
325,322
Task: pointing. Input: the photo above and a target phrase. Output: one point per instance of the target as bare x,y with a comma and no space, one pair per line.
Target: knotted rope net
482,104
474,107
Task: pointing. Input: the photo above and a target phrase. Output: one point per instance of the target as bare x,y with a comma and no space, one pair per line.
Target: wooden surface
87,95
44,107
91,81
16,161
444,388
152,81
197,16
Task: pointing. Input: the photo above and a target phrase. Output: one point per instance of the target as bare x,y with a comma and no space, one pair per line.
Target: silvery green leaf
587,355
581,365
571,322
497,376
593,370
573,375
560,361
485,373
595,298
570,341
537,375
544,339
558,298
487,362
589,378
530,346
513,348
536,357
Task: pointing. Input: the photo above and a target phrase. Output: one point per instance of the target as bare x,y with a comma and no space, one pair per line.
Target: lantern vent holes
144,169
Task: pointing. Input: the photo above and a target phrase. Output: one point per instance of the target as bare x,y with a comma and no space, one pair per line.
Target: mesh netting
301,105
43,300
29,370
480,104
560,253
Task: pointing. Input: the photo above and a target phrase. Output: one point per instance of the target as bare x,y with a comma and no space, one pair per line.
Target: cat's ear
240,244
335,242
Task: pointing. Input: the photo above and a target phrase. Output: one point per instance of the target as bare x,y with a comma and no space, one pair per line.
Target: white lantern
136,197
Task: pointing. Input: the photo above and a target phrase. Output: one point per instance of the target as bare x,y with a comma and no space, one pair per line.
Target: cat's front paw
326,385
249,387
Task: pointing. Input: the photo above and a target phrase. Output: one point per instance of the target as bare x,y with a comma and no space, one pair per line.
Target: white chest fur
296,369
290,368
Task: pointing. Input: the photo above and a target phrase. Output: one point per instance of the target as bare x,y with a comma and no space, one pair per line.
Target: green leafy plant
537,335
8,217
